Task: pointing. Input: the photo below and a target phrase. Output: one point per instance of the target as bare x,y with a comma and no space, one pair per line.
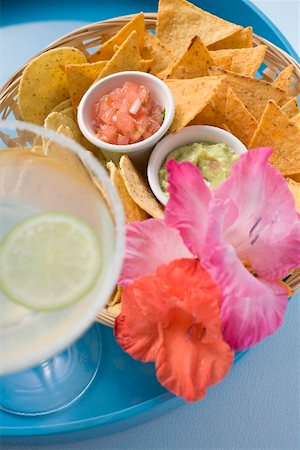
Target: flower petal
134,332
251,307
184,364
187,207
267,222
149,244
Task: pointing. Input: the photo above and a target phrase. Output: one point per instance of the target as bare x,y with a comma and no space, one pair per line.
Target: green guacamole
213,160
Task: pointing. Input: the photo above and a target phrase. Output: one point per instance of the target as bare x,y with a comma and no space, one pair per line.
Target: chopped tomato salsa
126,115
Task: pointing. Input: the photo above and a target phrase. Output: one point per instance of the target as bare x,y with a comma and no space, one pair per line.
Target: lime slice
49,260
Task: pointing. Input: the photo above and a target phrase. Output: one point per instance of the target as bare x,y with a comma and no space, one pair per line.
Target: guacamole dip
213,160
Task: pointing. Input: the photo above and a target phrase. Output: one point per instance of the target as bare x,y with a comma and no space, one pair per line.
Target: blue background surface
257,405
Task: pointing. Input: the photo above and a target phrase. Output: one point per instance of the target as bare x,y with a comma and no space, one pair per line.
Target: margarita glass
43,365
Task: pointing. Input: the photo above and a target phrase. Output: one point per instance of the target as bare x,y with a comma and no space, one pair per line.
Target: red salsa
127,115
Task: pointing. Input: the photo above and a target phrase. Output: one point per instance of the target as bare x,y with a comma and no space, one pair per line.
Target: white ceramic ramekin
188,135
161,95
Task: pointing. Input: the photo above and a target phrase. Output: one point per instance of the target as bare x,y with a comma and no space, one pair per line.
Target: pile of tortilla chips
209,64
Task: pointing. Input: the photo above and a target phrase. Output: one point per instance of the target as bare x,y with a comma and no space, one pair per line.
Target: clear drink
31,183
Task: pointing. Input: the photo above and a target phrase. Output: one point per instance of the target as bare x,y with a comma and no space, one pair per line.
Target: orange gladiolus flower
173,318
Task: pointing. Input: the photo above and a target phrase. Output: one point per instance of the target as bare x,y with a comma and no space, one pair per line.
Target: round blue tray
125,392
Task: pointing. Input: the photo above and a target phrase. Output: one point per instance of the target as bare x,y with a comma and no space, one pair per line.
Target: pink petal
187,208
252,308
149,244
185,365
267,222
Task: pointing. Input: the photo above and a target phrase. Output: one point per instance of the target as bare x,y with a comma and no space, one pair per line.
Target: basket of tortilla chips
193,52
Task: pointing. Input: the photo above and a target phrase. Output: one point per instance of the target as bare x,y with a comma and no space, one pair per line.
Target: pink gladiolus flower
249,220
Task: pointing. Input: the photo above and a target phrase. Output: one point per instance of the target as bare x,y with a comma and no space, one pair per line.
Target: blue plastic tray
125,392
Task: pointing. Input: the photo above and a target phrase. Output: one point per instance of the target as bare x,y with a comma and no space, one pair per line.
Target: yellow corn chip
284,79
146,65
211,114
242,38
138,190
276,130
60,153
131,210
291,107
106,50
127,57
38,149
115,296
69,112
240,121
191,97
153,49
296,121
245,61
193,63
61,106
254,93
43,83
115,309
221,60
80,77
37,140
55,119
294,187
179,21
226,128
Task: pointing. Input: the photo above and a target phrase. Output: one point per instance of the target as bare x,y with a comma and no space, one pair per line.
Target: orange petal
185,365
140,341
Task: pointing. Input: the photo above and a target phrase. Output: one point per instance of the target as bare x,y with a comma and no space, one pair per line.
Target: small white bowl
161,95
188,135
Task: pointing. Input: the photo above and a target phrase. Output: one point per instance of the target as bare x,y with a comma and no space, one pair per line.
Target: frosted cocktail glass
44,366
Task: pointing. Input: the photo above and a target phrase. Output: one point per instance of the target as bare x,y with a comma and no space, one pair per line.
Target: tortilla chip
37,140
80,77
138,190
69,112
276,130
240,121
221,60
55,119
240,39
106,50
191,97
178,21
38,149
131,210
193,63
296,121
127,57
294,187
115,309
63,154
283,80
254,93
212,114
43,83
245,61
146,65
291,108
226,128
61,106
115,296
153,49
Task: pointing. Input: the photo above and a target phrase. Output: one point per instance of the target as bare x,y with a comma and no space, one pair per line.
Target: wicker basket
91,36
